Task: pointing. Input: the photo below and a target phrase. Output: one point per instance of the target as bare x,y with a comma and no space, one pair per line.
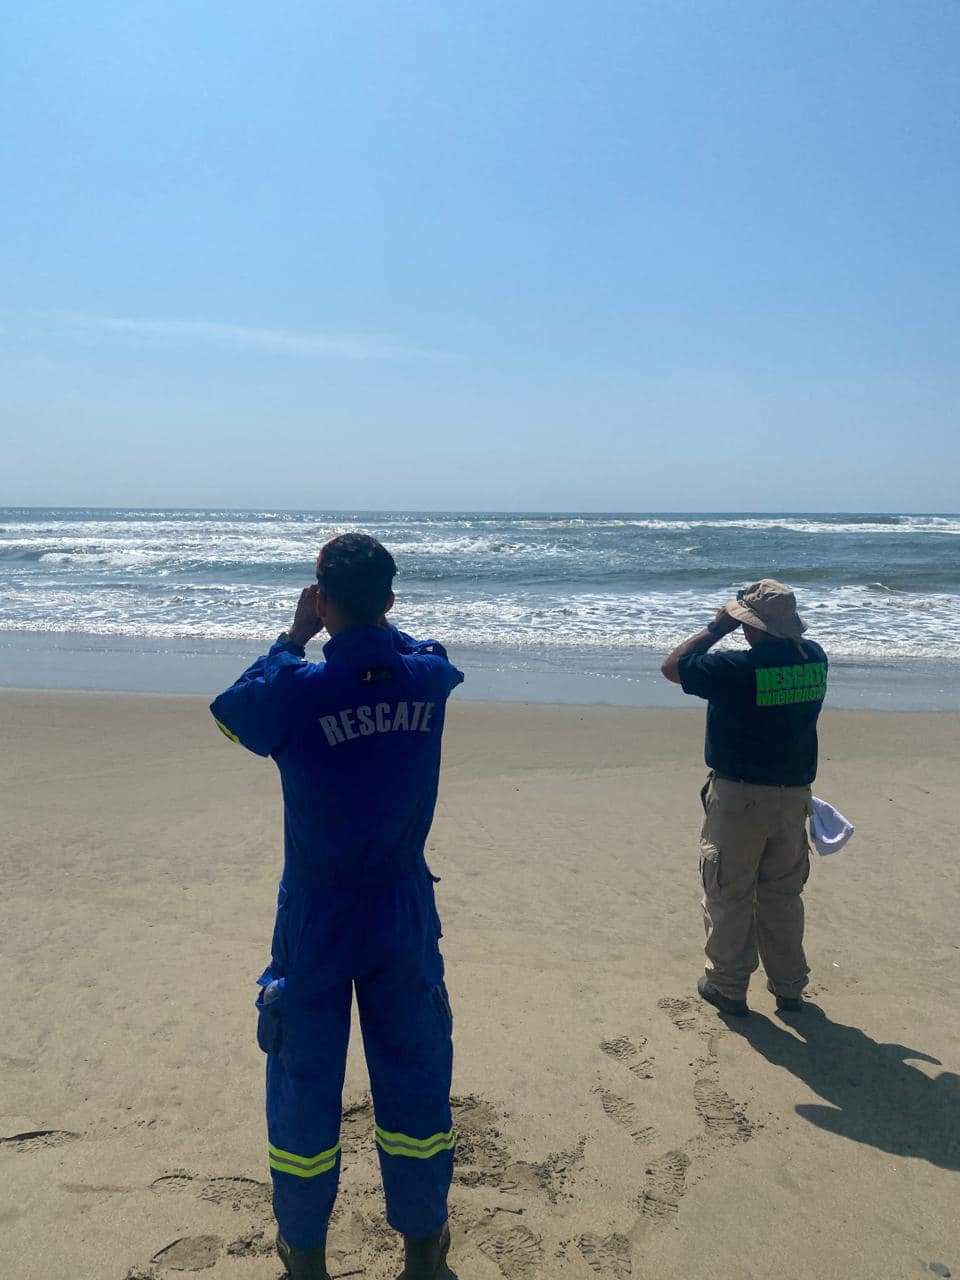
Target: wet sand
610,1125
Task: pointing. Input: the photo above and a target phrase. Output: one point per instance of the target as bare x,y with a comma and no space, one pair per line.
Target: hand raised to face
308,618
725,622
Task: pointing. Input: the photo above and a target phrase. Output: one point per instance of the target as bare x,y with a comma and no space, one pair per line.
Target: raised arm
257,710
722,625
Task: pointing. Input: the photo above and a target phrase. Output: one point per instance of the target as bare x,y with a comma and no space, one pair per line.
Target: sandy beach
610,1125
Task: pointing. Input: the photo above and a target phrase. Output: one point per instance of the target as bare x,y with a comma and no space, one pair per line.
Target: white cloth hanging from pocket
829,829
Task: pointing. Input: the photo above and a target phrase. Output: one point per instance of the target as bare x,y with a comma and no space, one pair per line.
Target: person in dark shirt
356,739
761,749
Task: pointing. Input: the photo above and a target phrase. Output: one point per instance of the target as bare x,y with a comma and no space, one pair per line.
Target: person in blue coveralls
356,739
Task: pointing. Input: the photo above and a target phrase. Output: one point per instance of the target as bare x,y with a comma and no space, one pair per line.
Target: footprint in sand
688,1015
367,1231
624,1051
38,1139
255,1244
191,1253
553,1173
681,1013
607,1255
546,1177
359,1236
627,1116
483,1158
516,1251
664,1186
243,1195
711,1039
722,1117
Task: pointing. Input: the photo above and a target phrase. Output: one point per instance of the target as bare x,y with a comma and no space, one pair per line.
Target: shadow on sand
876,1095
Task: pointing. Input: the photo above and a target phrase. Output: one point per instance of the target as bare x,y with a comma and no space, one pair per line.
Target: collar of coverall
360,643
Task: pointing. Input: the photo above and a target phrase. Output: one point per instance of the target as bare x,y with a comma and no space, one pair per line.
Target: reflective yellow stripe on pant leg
402,1144
303,1166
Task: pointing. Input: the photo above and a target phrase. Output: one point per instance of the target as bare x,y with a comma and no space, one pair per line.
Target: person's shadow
876,1096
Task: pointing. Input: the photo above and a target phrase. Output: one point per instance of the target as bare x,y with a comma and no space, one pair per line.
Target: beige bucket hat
769,606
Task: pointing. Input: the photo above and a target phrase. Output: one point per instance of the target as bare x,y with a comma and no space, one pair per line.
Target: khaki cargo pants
754,862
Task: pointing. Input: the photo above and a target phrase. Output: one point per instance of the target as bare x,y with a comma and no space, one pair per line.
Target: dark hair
356,572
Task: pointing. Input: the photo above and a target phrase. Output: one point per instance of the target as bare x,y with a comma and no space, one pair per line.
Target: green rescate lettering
786,686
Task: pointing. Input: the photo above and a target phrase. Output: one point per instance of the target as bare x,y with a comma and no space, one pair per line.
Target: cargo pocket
710,869
705,793
441,1002
270,1002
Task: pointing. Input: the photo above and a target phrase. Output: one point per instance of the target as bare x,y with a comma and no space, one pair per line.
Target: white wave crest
848,621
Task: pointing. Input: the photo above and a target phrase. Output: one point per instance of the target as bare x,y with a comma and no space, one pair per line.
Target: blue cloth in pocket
269,1010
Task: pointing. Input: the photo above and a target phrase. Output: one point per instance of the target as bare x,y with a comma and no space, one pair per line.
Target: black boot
303,1264
786,1004
789,1004
732,1008
427,1259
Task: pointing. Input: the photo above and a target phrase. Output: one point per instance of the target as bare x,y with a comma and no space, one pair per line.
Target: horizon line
266,508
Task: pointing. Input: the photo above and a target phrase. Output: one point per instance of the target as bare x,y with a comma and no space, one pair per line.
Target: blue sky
537,255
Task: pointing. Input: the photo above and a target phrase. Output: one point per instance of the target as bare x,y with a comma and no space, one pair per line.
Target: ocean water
571,591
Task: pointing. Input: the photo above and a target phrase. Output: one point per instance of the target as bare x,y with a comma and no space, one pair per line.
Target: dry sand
611,1126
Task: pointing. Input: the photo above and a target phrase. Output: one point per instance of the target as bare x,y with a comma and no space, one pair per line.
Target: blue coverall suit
357,741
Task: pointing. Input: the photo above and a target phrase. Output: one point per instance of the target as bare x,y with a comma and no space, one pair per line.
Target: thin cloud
284,342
